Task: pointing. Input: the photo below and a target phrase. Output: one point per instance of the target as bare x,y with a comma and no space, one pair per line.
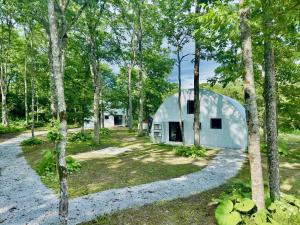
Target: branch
74,20
182,57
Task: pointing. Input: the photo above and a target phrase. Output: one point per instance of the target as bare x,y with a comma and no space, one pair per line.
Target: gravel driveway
25,200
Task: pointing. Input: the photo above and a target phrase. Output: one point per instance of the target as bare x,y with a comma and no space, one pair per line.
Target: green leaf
260,217
232,218
225,207
245,205
224,214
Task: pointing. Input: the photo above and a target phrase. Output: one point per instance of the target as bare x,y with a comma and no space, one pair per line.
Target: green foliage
53,134
187,151
236,207
31,142
105,131
47,165
72,165
80,137
10,129
282,149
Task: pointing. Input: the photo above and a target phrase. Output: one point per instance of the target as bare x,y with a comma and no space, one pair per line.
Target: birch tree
58,37
251,109
7,26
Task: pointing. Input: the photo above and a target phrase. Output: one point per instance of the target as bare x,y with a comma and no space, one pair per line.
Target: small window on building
106,117
190,107
157,126
216,123
157,134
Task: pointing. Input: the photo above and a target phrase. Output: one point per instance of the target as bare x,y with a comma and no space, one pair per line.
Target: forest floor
143,163
199,209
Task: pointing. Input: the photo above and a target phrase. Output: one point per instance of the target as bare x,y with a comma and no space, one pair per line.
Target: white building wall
109,122
212,105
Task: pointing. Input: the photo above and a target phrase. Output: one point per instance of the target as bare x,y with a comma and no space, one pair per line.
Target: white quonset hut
222,120
112,118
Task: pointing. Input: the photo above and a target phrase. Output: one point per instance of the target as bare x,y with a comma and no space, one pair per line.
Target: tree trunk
32,103
53,99
33,71
271,105
37,107
251,110
96,83
196,89
130,117
181,125
25,91
141,69
61,107
3,86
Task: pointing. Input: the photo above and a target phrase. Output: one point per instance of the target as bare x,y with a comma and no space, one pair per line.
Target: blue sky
207,69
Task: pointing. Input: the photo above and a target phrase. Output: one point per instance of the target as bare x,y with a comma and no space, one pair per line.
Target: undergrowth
236,207
188,151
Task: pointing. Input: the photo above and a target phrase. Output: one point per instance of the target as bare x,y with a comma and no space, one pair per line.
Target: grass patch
200,209
144,163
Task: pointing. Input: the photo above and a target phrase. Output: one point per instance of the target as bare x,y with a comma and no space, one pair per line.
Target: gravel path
25,200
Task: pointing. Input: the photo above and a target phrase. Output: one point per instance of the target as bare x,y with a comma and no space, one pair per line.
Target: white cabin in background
112,118
222,121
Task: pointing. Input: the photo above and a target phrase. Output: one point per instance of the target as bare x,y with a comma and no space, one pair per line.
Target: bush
31,142
47,166
80,137
10,129
36,124
237,208
72,165
104,131
190,151
282,149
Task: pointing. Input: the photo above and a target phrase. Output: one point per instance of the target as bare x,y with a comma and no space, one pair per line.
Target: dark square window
190,107
106,117
216,123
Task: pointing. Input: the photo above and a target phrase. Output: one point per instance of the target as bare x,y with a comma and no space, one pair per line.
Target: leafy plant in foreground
237,208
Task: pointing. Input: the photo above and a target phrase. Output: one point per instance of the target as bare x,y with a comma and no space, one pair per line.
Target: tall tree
178,32
140,63
251,108
7,29
196,85
92,34
271,101
61,107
